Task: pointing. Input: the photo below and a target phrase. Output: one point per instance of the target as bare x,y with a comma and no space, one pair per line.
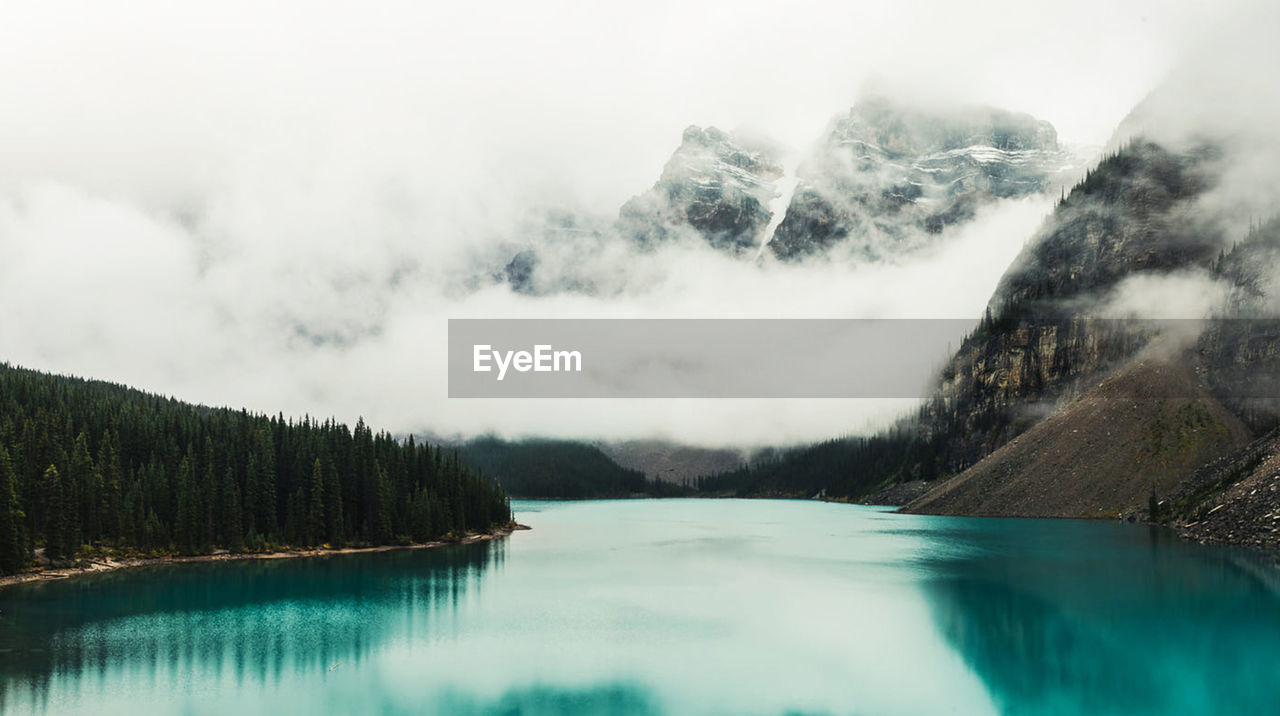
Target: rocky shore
1235,500
899,494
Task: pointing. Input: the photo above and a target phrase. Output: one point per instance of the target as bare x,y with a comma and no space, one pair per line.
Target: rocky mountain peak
888,176
904,130
715,186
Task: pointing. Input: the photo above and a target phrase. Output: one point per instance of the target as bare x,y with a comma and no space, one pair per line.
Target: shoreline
111,565
1233,536
1267,545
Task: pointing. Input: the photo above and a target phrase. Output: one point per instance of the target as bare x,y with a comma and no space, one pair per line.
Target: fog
280,207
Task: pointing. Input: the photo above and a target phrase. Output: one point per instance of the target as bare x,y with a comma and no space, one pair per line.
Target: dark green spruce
88,467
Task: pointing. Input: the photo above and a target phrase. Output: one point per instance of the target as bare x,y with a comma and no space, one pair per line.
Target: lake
673,607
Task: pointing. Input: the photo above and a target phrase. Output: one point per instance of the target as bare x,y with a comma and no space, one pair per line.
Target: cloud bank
279,207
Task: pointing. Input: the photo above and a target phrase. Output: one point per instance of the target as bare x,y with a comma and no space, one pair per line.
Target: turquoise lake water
673,607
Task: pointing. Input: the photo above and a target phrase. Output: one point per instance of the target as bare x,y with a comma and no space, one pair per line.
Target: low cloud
103,289
1190,294
280,207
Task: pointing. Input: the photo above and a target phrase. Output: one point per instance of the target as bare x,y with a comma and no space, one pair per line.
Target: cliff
1141,432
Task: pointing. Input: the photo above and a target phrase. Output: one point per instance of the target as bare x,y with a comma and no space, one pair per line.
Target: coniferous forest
561,469
88,467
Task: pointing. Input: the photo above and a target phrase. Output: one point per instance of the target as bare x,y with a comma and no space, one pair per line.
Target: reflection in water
616,700
1056,622
638,607
252,619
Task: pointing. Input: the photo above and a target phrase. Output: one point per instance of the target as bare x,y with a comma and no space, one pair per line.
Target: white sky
593,95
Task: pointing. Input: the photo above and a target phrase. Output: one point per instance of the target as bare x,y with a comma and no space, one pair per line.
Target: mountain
544,256
1249,265
1135,212
1172,431
716,190
671,462
887,176
716,187
559,469
1041,339
1028,415
1142,431
840,468
885,179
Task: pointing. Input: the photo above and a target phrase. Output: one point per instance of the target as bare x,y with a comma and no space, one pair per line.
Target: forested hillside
560,469
843,467
88,466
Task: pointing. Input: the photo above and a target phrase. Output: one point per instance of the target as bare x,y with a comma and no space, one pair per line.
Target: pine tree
420,521
263,478
13,549
112,508
252,491
295,523
334,523
56,527
188,522
153,532
316,525
78,493
232,533
207,491
135,516
382,527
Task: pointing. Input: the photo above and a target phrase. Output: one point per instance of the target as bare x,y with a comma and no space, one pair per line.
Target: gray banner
697,358
787,358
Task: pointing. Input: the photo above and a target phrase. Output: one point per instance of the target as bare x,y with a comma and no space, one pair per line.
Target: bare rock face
715,186
887,176
1145,429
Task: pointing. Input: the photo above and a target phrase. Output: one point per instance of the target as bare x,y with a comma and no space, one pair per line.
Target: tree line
89,467
561,469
